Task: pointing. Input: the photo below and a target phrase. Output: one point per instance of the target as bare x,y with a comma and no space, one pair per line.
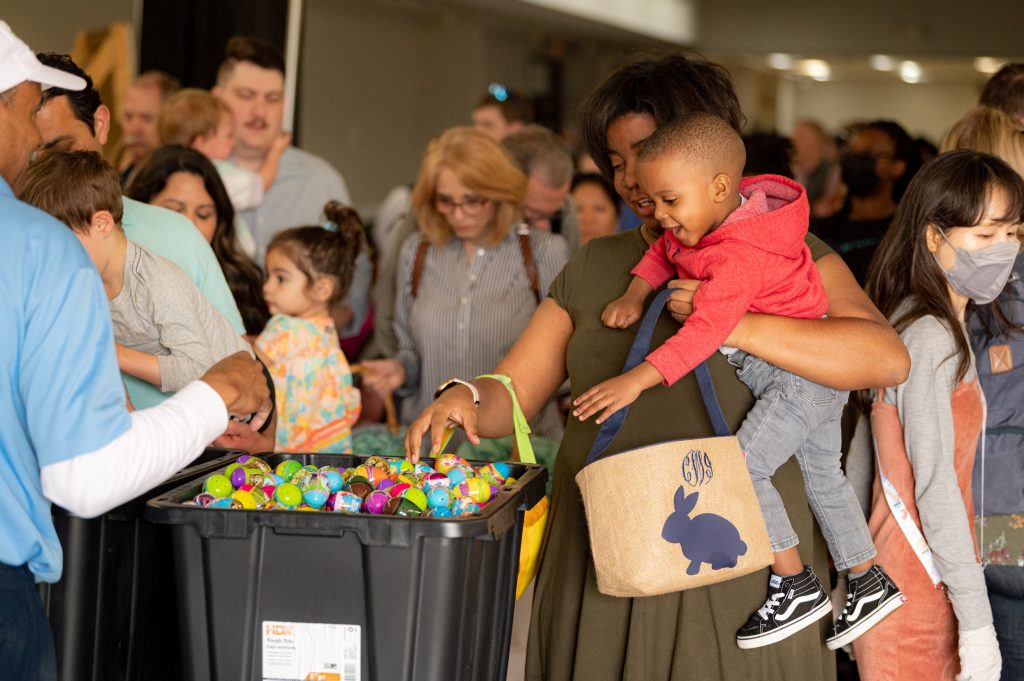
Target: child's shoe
869,598
793,603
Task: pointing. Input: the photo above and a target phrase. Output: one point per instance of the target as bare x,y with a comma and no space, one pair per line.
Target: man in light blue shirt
65,434
80,121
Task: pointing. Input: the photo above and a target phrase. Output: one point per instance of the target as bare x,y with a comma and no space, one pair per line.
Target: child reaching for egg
308,270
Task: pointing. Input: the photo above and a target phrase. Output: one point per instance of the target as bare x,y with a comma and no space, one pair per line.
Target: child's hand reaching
622,312
280,144
616,393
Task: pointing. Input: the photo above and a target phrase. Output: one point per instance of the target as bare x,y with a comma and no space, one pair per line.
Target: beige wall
50,26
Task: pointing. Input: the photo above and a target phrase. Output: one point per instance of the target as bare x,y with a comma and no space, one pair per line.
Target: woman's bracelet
458,381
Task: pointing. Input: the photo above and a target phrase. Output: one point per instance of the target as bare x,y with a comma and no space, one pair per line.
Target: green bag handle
520,426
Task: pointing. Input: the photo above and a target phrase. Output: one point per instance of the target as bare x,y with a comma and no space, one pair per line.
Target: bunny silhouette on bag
706,538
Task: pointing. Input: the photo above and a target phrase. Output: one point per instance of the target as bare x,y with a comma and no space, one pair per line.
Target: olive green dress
579,634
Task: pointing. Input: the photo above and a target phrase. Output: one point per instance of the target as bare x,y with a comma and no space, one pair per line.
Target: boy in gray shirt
166,331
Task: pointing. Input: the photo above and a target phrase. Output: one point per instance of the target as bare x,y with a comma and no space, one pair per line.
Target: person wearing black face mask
877,165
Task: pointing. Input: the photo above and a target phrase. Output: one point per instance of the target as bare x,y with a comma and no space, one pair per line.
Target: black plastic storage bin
114,611
432,598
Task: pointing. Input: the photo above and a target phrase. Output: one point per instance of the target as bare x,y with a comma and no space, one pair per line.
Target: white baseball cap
18,64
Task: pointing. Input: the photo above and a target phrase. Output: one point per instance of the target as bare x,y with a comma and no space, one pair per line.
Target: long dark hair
663,87
328,250
244,277
950,191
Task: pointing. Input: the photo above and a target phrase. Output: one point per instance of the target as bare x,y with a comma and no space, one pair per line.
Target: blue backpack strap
639,350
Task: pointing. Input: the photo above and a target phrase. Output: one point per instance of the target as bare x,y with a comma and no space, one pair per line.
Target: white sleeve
162,440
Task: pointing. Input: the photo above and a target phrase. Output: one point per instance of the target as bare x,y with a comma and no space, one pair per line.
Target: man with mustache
139,113
251,83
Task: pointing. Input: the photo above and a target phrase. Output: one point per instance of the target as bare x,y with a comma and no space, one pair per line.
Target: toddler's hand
622,312
611,395
281,143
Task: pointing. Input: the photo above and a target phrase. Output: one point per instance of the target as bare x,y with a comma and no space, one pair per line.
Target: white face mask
981,275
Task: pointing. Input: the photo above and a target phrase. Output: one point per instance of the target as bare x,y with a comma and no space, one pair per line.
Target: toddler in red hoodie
744,241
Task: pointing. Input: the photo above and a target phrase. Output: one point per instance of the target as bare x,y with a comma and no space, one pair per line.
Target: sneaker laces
771,604
846,608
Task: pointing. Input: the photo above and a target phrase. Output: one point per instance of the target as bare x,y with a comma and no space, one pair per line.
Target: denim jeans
1006,594
26,642
794,416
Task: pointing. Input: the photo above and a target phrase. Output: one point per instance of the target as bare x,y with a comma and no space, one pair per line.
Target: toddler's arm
141,365
622,312
616,393
268,171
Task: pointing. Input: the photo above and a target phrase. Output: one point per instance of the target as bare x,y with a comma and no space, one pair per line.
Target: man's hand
383,376
239,381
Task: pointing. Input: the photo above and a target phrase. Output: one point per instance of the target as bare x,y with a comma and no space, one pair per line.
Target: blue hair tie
330,226
499,91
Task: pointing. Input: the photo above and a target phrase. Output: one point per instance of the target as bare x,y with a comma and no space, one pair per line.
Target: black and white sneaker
869,598
793,603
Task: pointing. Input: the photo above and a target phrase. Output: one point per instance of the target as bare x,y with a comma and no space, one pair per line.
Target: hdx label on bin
309,651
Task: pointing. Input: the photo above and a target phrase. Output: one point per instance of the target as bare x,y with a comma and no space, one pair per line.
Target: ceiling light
910,72
818,69
780,62
988,64
882,62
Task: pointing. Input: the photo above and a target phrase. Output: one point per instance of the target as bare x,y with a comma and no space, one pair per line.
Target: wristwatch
458,381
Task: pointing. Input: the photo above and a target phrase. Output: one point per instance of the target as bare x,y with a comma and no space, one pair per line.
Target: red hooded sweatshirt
755,260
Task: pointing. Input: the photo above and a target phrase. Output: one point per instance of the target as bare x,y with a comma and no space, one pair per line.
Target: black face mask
859,174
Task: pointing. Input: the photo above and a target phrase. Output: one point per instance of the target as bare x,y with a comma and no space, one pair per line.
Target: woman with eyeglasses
466,284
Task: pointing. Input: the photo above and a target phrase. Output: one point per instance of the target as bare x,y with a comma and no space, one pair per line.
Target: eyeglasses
470,205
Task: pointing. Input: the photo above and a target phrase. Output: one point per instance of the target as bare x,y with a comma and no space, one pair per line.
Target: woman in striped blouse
469,281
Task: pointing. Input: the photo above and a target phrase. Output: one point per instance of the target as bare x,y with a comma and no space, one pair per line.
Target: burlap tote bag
699,521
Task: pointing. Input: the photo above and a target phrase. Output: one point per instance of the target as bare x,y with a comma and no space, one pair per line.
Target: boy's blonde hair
484,167
190,114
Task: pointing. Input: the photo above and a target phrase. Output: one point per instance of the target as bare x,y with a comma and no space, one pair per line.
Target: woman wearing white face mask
953,241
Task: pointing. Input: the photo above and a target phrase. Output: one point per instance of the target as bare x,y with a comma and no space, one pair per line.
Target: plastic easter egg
301,477
245,488
254,477
360,489
456,477
397,489
333,477
259,464
404,508
204,499
494,473
447,461
439,497
479,490
465,506
399,466
385,484
423,468
261,497
509,482
376,502
346,501
231,468
314,498
288,495
432,480
246,499
226,502
219,486
377,462
274,479
311,468
416,496
439,512
269,490
286,469
244,458
305,507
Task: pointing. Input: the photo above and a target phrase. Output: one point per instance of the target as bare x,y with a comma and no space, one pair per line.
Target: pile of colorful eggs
380,486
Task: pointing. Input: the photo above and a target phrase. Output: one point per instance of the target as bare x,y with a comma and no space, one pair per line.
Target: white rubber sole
871,620
787,631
